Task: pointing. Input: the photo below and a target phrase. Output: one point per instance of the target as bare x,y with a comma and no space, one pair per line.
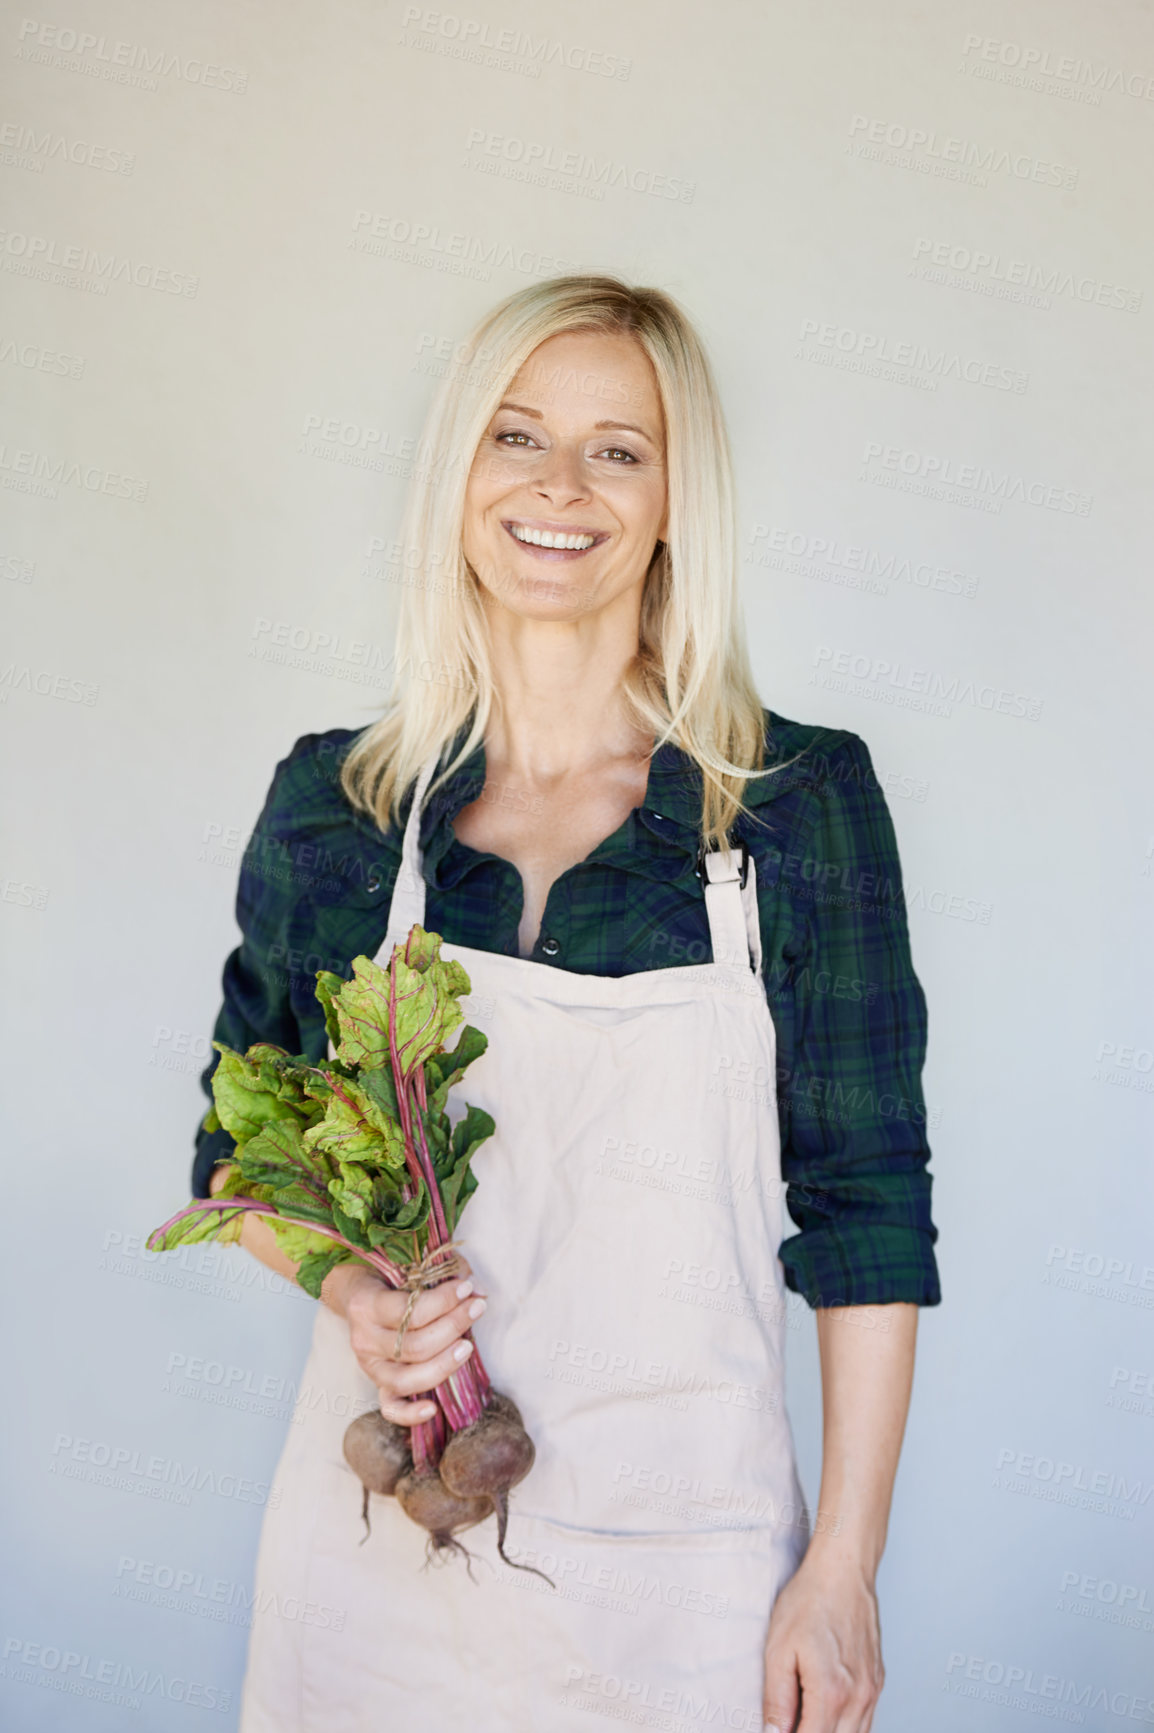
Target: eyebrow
598,426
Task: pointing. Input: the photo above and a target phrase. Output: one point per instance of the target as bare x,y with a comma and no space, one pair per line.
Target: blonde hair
691,680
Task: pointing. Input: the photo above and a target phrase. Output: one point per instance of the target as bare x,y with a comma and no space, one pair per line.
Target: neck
558,708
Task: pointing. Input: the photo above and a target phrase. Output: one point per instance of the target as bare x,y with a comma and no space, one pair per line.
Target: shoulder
305,788
305,800
815,756
822,796
309,837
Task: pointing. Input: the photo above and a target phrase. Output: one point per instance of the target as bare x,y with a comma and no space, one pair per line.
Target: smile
554,539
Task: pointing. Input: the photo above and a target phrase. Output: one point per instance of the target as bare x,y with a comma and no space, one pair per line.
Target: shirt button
373,882
550,946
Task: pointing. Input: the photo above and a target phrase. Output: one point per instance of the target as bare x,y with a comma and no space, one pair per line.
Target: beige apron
625,1230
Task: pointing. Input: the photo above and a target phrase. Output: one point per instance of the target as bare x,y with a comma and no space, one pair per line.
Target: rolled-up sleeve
257,1004
854,1123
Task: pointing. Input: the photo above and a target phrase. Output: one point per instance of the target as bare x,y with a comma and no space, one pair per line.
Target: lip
554,555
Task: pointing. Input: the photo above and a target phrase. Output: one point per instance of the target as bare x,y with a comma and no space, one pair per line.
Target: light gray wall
917,240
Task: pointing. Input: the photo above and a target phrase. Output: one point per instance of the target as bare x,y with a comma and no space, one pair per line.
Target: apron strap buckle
722,877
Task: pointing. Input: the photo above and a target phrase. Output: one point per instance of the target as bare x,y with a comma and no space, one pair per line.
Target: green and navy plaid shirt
849,1012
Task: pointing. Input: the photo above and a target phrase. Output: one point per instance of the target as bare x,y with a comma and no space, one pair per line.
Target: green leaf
349,1226
312,1270
378,1085
356,1128
327,988
295,1241
211,1121
282,1155
352,1191
200,1221
459,1185
424,1003
247,1094
443,1070
426,1010
362,1008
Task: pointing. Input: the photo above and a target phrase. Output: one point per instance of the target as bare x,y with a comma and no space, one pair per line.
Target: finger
858,1714
410,1412
389,1305
822,1711
780,1699
425,1343
398,1378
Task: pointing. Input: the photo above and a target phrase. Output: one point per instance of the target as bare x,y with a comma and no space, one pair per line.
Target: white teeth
547,539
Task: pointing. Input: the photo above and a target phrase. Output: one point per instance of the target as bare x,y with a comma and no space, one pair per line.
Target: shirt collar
660,838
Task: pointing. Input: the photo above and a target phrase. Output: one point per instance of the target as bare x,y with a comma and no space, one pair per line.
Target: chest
544,832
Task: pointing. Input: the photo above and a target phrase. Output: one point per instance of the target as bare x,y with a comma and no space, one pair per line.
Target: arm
855,1154
256,991
852,1041
823,1652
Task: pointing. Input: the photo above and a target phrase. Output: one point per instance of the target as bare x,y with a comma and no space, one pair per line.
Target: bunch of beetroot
357,1159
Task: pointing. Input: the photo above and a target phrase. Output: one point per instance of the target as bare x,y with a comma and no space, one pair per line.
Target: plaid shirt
849,1012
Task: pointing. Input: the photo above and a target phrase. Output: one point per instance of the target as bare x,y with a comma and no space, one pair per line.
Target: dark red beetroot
379,1453
427,1500
489,1457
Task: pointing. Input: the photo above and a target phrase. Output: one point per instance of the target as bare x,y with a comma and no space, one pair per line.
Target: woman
682,920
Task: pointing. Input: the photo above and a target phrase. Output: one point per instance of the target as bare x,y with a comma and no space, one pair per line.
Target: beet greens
356,1159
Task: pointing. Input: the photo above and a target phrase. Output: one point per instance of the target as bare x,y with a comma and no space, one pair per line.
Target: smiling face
566,496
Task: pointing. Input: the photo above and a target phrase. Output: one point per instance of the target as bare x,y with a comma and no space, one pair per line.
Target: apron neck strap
731,904
407,907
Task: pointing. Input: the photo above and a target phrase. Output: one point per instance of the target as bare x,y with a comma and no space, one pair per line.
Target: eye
515,434
617,452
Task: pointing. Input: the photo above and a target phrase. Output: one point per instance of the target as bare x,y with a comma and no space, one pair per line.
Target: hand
431,1345
823,1652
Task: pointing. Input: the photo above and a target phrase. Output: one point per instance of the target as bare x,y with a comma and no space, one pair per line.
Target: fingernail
464,1288
462,1350
477,1308
770,1727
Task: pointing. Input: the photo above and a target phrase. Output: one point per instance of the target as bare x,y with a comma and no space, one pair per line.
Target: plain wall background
915,240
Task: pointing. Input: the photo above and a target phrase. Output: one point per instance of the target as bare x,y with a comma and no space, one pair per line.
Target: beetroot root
379,1454
491,1455
427,1500
486,1459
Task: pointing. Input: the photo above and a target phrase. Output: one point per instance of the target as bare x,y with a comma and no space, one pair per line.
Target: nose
561,478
